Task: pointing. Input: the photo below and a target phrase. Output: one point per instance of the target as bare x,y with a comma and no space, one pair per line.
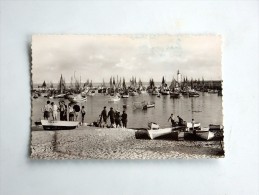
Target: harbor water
206,109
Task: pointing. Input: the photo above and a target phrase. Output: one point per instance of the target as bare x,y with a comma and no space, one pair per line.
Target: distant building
179,77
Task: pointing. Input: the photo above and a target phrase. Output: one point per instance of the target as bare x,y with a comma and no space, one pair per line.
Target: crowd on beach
68,112
71,112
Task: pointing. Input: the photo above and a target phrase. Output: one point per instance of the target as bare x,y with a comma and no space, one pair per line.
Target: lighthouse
179,77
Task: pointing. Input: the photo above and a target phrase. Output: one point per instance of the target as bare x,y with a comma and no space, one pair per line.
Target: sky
98,57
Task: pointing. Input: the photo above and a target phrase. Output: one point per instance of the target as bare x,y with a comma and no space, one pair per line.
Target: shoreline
114,143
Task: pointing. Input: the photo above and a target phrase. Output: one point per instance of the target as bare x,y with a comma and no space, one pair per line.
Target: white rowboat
159,132
59,125
206,135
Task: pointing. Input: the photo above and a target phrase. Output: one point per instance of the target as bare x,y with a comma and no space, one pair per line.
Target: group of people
180,122
116,118
72,110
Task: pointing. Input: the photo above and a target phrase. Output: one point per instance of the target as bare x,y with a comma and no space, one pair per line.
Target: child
83,115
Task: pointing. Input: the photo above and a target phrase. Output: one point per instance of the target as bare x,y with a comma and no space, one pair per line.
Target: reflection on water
206,109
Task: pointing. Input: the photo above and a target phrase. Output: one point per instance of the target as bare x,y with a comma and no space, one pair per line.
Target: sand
94,143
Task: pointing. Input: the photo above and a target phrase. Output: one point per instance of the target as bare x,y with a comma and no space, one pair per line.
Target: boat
204,134
133,93
60,96
35,96
212,91
155,92
59,125
194,94
125,96
153,126
91,93
78,99
148,105
114,99
196,125
158,132
165,92
158,95
175,95
216,127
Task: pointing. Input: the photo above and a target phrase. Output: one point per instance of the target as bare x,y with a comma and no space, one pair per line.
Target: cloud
99,57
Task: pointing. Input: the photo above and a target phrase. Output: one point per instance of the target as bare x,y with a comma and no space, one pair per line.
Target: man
47,109
124,119
180,121
112,116
117,119
54,111
62,110
104,116
172,120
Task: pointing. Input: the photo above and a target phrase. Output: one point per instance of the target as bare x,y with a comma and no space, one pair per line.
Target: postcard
126,97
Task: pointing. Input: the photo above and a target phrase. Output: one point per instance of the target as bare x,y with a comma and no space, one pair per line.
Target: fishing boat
125,95
174,94
59,125
216,127
148,105
158,95
212,91
133,93
91,93
35,96
114,99
194,94
205,134
78,99
159,132
155,92
60,96
165,92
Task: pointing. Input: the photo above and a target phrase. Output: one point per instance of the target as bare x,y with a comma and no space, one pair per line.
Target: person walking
54,109
104,116
47,110
83,114
111,114
124,119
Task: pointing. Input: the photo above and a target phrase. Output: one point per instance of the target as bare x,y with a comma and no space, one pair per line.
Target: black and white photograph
154,96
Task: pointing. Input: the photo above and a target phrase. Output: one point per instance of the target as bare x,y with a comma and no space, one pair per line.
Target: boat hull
59,125
158,133
206,135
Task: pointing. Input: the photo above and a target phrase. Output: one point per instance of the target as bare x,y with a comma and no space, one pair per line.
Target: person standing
76,109
180,121
71,113
62,110
65,112
117,119
124,119
47,109
193,122
111,114
54,111
83,114
104,116
172,120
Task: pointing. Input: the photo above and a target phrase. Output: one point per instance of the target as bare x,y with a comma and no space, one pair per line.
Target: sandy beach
94,143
